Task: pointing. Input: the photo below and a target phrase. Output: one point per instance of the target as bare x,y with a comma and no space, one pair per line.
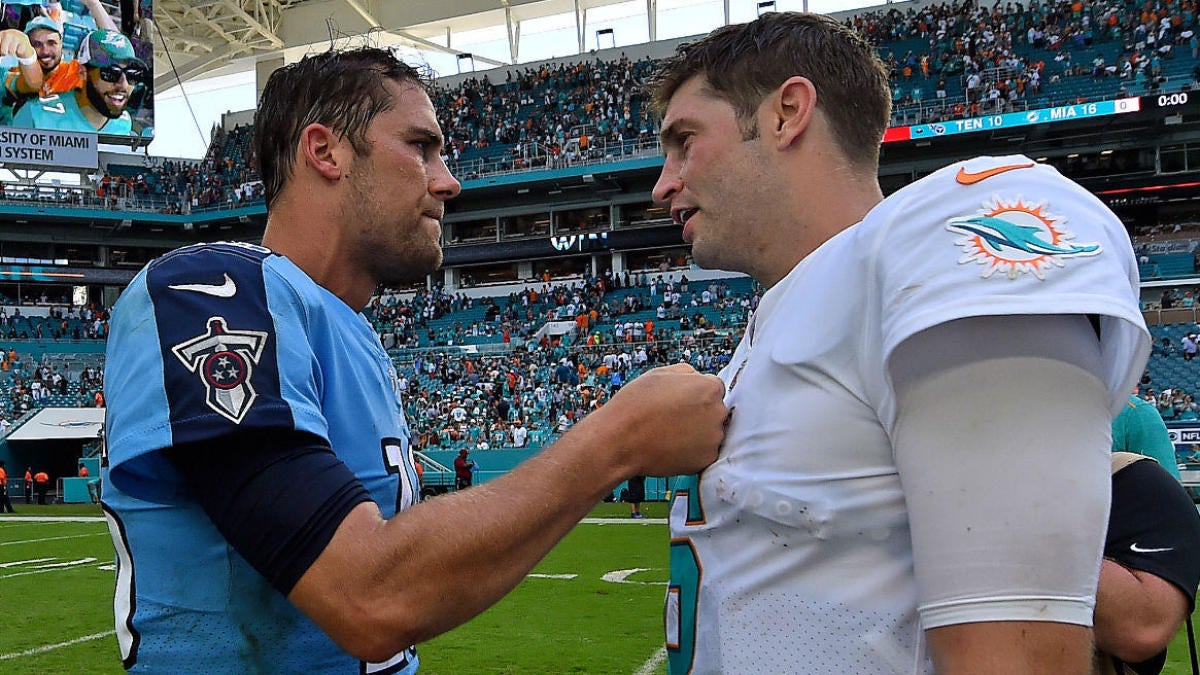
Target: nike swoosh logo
222,290
1138,549
965,177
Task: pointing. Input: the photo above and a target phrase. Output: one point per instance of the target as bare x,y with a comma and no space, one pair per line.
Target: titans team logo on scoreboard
224,359
1015,238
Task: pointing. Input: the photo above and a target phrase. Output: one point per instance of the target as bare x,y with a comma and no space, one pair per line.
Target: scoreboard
1165,104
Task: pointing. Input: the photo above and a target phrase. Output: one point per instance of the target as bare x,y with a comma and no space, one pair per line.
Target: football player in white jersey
915,477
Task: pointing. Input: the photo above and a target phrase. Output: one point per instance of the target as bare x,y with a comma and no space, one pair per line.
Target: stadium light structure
606,32
466,57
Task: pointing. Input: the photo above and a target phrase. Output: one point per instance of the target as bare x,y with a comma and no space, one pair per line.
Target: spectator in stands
16,44
112,69
790,110
355,191
1189,346
55,75
1150,569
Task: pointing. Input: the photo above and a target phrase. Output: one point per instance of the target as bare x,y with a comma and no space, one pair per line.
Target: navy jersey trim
217,336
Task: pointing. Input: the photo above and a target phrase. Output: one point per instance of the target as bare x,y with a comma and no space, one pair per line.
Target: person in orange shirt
28,486
83,472
5,504
41,485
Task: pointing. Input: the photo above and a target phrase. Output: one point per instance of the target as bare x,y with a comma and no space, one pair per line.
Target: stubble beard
392,252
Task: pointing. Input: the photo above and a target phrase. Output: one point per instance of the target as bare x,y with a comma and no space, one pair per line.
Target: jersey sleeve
1007,236
1154,527
205,343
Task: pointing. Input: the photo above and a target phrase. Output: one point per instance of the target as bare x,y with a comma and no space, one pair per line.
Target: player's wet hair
746,62
341,90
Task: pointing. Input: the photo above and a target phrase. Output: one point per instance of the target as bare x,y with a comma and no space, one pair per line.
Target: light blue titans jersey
206,341
61,113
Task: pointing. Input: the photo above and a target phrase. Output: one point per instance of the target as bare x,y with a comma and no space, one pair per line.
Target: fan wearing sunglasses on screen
112,70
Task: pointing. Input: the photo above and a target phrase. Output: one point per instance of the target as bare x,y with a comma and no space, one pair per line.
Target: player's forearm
444,561
483,541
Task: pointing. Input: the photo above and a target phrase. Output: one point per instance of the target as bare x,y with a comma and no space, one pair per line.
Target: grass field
56,582
56,589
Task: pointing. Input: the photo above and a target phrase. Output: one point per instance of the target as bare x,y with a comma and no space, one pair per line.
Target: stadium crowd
1001,54
531,390
554,114
947,61
536,385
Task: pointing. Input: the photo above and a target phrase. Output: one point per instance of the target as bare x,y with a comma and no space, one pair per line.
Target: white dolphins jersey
792,552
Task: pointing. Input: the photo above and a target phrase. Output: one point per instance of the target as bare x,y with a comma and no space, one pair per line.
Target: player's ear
793,105
321,149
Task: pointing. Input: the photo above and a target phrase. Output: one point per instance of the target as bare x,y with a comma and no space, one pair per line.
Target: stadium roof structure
199,38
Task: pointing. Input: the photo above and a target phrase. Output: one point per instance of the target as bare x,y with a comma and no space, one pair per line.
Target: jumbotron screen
74,71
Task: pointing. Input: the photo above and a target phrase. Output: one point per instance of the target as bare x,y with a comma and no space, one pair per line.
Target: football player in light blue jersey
259,474
112,71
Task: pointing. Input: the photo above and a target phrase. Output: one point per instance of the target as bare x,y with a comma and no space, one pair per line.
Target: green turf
583,625
579,625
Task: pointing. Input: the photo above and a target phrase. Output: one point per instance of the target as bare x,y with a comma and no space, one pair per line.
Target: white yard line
624,521
50,648
69,536
651,665
56,567
15,520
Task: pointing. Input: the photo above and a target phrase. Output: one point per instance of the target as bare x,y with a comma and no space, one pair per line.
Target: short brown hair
746,62
342,90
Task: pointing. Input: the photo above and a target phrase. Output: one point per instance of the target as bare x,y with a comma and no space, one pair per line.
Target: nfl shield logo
224,359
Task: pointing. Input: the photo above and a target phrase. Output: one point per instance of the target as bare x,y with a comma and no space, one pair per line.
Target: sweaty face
716,183
110,98
397,188
47,44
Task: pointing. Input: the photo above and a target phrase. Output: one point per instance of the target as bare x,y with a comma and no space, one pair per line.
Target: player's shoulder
203,258
970,183
1009,214
211,272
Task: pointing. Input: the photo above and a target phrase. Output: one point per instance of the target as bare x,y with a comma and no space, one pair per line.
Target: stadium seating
555,114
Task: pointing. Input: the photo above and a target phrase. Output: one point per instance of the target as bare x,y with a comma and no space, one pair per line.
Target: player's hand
671,420
15,43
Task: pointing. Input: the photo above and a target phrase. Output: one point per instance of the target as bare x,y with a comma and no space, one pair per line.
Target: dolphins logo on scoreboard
1015,237
225,360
